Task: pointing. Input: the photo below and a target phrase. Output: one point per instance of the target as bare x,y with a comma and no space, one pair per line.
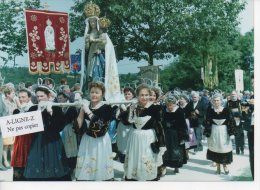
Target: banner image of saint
48,41
210,72
49,36
239,80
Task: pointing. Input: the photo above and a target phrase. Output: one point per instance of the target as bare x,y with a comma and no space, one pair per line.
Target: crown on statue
104,22
91,9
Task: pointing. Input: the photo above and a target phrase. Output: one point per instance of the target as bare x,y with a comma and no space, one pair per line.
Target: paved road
197,169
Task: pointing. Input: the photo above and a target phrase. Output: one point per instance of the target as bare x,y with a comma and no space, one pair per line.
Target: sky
126,66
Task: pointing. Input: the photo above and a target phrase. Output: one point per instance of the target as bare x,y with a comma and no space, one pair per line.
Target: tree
211,29
245,44
185,73
148,29
138,31
12,28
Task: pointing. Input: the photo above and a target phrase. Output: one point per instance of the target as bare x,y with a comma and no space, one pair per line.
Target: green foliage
183,74
148,29
17,75
12,28
129,80
230,56
245,44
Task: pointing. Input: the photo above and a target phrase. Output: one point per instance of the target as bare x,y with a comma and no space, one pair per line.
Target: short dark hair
129,89
63,81
29,94
186,98
63,94
156,91
27,84
97,84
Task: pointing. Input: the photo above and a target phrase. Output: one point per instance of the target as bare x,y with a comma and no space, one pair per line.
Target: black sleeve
188,110
77,130
105,114
99,122
208,123
52,123
183,129
157,125
231,124
16,111
123,116
201,110
57,120
71,115
33,108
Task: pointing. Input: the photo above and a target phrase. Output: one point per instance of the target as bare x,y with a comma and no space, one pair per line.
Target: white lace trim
219,121
97,106
141,121
220,109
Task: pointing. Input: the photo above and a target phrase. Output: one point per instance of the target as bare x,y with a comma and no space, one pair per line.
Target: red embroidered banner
48,41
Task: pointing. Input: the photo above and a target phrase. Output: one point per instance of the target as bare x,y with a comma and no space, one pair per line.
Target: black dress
69,137
95,161
219,143
192,137
175,130
47,160
141,156
123,130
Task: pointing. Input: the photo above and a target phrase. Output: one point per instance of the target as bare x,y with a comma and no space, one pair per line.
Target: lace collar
146,106
141,121
26,107
183,106
218,110
101,103
156,103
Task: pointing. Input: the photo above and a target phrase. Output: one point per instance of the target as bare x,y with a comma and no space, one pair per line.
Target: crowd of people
154,131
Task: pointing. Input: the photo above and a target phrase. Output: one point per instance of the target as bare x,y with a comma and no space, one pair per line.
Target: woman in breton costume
154,98
68,136
176,134
192,143
219,127
95,160
22,143
144,138
47,159
124,126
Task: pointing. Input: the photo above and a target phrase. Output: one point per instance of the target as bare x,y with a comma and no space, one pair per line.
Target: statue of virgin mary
99,56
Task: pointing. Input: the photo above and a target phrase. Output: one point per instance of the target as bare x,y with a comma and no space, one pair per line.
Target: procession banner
75,63
239,80
21,124
47,41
